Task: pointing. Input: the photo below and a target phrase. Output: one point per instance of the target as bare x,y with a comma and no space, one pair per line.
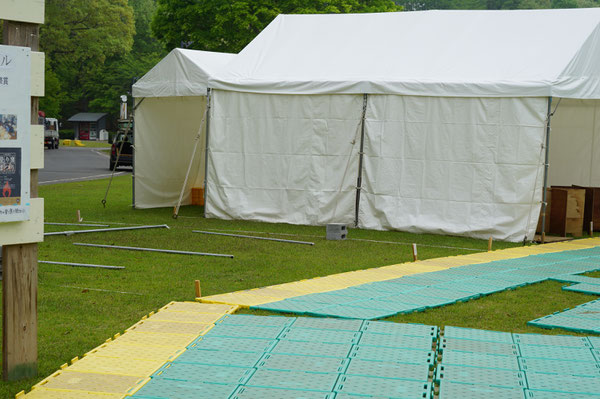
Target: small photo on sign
10,176
8,127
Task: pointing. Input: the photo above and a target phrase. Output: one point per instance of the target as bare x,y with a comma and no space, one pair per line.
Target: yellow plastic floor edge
124,363
273,293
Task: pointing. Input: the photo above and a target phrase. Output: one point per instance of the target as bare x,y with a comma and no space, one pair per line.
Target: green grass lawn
79,308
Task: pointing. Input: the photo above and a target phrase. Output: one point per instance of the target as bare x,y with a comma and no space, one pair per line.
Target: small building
87,125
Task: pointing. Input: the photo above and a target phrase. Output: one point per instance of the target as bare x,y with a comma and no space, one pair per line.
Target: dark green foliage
94,49
227,26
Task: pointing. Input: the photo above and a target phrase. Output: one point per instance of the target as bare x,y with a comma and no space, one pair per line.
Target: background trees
94,49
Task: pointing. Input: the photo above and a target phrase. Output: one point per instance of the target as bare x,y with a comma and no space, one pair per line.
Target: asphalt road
68,164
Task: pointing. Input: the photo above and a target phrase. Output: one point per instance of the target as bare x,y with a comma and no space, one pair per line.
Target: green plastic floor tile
316,335
256,321
289,306
467,345
386,387
245,331
453,390
481,376
168,389
245,392
565,321
556,352
568,367
233,344
328,324
477,335
303,363
585,288
552,340
351,312
575,278
389,328
563,383
397,341
312,349
557,395
483,360
203,373
397,355
370,368
323,382
219,358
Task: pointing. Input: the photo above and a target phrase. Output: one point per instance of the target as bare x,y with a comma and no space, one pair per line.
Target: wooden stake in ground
197,286
490,244
414,248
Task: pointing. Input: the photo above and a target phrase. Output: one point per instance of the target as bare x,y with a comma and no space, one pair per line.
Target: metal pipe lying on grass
77,224
255,237
168,251
68,233
80,264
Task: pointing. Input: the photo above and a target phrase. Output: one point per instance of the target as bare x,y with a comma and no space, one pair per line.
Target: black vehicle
123,142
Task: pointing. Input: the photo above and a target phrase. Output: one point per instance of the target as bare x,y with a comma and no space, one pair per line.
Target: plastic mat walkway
112,369
257,357
409,287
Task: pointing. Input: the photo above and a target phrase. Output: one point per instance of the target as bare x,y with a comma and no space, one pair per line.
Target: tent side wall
450,165
465,166
575,143
165,135
283,158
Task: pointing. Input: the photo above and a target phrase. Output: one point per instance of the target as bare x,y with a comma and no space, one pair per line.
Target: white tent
418,121
452,130
170,105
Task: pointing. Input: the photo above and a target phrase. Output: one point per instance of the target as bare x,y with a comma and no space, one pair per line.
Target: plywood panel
28,231
31,11
37,73
37,147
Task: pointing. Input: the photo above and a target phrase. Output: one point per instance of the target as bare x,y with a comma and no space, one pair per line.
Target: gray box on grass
337,231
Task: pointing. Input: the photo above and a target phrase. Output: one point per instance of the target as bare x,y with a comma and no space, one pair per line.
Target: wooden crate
592,207
198,196
567,210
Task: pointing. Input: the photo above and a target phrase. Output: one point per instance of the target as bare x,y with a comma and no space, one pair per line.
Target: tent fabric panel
282,158
464,166
165,135
182,72
449,53
575,143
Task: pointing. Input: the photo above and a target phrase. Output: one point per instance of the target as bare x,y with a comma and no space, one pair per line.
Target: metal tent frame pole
546,164
208,100
360,159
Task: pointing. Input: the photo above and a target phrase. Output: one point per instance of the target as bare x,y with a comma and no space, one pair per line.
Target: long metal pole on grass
257,238
68,233
77,224
80,264
168,251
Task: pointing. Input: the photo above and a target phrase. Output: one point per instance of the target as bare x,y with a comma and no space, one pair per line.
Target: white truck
51,139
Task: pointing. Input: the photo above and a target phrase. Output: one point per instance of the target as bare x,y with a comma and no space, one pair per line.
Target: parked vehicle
51,138
123,142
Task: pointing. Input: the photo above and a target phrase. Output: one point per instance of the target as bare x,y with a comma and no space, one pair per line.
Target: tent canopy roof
440,53
181,73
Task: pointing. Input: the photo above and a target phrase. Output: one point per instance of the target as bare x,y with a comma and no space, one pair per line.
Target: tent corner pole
208,100
546,164
360,159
